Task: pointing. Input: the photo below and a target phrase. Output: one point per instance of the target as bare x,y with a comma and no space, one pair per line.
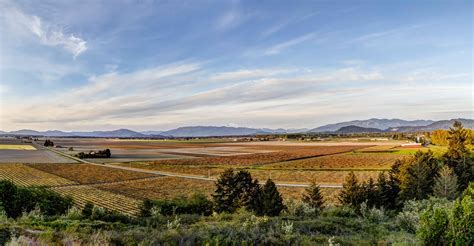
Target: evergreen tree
457,139
271,200
234,190
369,193
417,175
458,156
350,194
446,184
313,197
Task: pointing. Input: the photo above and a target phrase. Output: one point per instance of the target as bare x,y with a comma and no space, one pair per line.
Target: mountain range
356,126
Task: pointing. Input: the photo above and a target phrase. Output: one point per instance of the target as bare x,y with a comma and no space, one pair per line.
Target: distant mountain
442,124
381,124
25,132
152,132
121,133
207,131
356,129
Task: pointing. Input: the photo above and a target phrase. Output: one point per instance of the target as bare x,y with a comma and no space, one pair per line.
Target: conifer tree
350,194
446,184
313,197
458,156
417,175
234,190
369,193
271,200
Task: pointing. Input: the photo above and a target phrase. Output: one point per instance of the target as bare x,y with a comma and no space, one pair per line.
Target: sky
157,65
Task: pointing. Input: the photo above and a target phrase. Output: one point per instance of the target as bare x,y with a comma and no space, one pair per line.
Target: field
89,174
16,147
15,151
140,169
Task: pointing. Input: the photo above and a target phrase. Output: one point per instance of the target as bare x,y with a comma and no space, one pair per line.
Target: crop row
27,176
90,174
84,193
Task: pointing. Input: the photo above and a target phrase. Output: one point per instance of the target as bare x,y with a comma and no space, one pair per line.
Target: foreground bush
15,200
448,224
196,204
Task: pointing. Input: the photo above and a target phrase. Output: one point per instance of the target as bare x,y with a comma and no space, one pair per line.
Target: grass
16,147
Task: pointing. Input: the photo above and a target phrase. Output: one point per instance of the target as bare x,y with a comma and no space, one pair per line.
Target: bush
372,214
298,208
452,223
15,200
196,204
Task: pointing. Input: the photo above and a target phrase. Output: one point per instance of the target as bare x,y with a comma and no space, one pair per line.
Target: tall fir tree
350,194
417,175
458,156
271,200
234,190
446,184
313,197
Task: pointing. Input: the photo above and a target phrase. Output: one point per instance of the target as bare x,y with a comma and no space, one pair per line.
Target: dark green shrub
196,204
15,200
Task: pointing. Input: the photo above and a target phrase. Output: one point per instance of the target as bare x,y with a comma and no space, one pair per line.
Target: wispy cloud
281,25
247,74
48,34
276,49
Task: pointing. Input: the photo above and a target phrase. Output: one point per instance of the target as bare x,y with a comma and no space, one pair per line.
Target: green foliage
15,200
388,189
448,223
234,190
458,156
313,197
469,191
196,204
87,210
446,184
350,194
271,202
417,175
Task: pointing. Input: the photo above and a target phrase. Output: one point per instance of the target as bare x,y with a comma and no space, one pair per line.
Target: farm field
123,190
15,151
16,147
90,174
83,194
24,175
347,160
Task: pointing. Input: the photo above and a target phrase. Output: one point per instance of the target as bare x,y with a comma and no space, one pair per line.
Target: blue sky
97,65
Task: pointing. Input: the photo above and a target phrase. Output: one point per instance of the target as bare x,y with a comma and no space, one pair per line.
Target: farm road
172,174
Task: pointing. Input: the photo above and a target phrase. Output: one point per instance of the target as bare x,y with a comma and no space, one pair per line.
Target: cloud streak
46,33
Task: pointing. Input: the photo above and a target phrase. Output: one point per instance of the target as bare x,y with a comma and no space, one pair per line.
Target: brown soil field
160,188
90,174
346,160
300,176
280,154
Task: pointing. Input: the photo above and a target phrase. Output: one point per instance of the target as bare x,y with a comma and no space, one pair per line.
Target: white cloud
276,49
247,74
46,33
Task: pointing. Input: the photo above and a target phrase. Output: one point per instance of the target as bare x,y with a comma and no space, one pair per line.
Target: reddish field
346,160
282,153
160,188
90,174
